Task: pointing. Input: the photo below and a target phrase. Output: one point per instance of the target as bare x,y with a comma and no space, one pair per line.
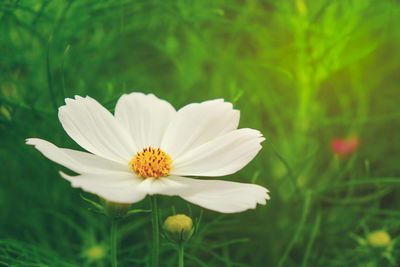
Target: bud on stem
178,228
116,210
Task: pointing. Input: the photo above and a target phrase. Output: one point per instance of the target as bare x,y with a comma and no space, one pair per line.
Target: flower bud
379,238
345,147
95,253
178,227
116,210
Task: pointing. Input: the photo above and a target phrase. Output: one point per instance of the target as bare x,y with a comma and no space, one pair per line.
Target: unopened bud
379,238
95,253
116,210
178,227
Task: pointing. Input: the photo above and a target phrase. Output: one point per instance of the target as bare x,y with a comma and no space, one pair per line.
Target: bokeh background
302,72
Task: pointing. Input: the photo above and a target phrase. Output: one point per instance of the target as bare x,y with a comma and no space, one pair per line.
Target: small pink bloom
344,147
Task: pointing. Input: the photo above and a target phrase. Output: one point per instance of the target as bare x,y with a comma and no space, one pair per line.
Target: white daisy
147,147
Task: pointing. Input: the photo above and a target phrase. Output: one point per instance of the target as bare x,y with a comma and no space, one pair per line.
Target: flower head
344,147
147,148
178,227
95,253
379,238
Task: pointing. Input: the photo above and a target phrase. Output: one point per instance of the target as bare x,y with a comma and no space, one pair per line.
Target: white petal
95,129
197,123
145,117
224,155
116,187
223,196
77,161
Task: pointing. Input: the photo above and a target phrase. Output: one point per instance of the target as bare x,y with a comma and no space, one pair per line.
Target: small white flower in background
147,147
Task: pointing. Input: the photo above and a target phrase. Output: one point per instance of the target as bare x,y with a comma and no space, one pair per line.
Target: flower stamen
151,162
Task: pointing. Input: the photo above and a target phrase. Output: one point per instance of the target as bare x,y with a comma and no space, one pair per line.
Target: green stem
181,255
302,222
114,243
156,241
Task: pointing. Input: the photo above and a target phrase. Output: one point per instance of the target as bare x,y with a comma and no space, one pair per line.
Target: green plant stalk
304,77
181,255
306,209
310,243
114,243
156,236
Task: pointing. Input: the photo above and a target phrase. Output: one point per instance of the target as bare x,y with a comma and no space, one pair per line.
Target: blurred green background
302,72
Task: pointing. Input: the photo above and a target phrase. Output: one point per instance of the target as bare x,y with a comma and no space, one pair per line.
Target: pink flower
344,147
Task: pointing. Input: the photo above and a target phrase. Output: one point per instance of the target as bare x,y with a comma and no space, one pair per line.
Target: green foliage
300,71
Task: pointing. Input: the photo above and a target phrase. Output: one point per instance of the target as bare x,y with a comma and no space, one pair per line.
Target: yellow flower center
151,162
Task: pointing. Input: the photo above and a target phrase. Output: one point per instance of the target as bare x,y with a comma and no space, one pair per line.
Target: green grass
300,71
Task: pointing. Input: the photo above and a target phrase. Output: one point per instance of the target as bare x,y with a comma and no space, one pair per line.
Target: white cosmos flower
147,147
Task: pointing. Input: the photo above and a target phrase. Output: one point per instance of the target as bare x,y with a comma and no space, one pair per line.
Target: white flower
147,147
